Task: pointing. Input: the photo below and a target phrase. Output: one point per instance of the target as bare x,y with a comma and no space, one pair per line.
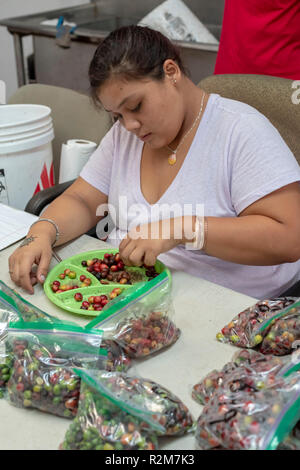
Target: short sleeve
97,171
260,161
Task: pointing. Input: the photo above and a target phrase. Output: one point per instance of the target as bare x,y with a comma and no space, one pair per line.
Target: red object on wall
260,37
46,180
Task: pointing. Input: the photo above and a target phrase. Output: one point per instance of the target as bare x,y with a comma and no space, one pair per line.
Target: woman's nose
131,124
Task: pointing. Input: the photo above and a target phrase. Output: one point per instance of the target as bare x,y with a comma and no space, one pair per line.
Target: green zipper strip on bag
286,424
289,369
12,302
141,414
61,328
130,299
282,313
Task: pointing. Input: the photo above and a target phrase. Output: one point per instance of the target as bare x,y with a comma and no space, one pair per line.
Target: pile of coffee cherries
245,420
235,374
170,411
117,359
5,370
112,269
102,425
281,337
57,287
35,384
146,334
245,329
97,302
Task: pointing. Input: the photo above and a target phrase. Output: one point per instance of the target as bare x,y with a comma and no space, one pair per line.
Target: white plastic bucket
26,159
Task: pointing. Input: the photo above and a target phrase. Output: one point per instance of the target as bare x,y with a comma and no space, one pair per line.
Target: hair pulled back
131,52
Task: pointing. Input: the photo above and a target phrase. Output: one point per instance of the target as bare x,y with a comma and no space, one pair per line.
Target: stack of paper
14,225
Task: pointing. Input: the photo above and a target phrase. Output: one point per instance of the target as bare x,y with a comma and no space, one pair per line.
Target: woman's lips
146,136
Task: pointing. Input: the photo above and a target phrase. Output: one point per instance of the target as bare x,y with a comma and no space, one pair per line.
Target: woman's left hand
144,243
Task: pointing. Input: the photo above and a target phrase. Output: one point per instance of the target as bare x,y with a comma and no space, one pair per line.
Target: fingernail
42,277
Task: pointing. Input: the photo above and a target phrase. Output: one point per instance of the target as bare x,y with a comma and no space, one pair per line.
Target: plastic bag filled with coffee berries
44,355
243,362
149,398
281,338
250,421
14,308
106,422
140,320
250,326
117,359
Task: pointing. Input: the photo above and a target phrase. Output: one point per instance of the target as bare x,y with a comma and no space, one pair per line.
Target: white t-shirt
236,158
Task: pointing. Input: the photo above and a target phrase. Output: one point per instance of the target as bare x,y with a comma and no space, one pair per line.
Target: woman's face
150,109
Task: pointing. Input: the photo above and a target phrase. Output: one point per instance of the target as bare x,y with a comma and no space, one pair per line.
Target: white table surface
201,310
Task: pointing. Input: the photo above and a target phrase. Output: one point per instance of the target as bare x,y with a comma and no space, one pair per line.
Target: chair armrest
45,197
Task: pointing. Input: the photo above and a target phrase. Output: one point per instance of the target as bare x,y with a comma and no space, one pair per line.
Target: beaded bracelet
51,222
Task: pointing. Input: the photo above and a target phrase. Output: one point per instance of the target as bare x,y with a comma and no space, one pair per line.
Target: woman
173,151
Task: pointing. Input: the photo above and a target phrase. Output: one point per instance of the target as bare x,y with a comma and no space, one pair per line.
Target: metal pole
19,59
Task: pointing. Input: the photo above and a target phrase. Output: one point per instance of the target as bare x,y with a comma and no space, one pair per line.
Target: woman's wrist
194,232
43,230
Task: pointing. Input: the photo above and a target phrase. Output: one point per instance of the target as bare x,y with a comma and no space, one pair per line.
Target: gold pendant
172,159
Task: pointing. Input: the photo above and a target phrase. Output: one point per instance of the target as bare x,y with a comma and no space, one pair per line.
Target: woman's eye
136,108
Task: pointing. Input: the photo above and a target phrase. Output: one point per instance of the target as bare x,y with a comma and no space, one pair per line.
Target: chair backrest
272,96
74,116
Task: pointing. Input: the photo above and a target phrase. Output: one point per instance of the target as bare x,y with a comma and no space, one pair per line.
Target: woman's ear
171,70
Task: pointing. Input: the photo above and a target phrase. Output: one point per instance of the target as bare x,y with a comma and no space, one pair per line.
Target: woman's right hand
37,251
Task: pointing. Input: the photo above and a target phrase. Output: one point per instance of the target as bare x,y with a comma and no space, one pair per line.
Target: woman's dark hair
132,52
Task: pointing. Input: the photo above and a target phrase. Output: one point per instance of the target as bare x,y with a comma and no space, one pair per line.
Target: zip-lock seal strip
284,423
99,387
129,300
281,313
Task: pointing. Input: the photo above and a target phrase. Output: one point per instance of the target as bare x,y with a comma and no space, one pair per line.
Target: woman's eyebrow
122,102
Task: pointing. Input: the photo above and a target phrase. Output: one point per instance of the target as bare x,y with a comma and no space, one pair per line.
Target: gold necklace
172,158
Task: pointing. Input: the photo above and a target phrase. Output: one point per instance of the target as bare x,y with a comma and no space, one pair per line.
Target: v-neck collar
139,193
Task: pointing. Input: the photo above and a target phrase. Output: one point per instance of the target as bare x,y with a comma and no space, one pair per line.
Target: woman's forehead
116,90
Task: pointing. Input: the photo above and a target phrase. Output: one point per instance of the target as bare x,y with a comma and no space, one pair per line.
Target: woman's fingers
24,275
136,256
125,253
43,266
133,254
149,258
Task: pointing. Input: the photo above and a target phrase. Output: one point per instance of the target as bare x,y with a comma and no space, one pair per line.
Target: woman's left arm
265,233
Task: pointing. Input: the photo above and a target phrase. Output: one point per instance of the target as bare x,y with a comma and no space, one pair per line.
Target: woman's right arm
74,212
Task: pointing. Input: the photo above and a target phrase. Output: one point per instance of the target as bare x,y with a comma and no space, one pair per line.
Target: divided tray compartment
66,301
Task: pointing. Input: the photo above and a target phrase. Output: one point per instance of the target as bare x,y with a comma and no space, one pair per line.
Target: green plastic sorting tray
66,301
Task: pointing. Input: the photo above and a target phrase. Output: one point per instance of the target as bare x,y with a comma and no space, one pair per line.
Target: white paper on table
74,155
176,21
14,225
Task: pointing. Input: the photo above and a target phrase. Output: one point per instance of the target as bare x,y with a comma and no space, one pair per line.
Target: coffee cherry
78,297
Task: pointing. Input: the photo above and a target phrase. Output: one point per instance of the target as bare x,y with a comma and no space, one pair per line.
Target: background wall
10,9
